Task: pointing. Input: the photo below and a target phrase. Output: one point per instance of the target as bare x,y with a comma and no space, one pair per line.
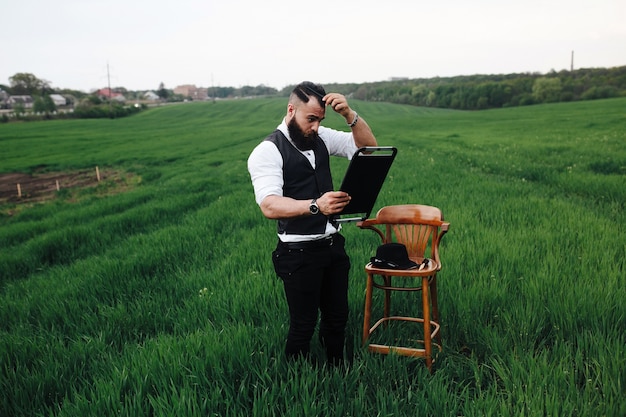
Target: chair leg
435,305
433,297
387,297
368,309
427,332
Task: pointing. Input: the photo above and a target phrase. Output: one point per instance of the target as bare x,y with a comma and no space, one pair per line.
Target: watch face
313,208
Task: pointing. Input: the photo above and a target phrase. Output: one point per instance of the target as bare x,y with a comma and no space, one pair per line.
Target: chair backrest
420,228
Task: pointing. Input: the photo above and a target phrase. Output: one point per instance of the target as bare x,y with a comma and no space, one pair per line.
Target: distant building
202,94
108,94
192,92
151,96
58,100
26,101
185,90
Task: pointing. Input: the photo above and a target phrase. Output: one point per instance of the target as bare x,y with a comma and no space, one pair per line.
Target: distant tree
221,92
75,94
431,98
121,90
24,83
547,89
19,109
44,104
246,91
162,92
361,93
38,105
482,103
91,100
605,91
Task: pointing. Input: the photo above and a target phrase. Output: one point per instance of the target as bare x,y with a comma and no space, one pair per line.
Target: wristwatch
313,207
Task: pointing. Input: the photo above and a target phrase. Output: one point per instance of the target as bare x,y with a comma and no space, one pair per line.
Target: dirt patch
18,187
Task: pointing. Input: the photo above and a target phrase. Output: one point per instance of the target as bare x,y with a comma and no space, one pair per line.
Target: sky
139,44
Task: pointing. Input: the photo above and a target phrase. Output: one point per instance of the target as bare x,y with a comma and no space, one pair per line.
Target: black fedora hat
392,256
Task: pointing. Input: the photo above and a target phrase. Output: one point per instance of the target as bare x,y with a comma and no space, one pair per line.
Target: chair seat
432,268
428,272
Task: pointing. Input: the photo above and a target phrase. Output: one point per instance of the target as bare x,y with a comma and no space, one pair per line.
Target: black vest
302,182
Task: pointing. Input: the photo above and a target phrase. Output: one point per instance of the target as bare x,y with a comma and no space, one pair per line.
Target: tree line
478,92
472,92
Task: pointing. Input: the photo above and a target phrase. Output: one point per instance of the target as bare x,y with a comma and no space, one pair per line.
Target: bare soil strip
41,187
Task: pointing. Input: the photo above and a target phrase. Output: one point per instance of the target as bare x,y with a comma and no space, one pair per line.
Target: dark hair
306,89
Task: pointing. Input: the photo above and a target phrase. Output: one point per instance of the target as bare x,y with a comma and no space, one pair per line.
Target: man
290,172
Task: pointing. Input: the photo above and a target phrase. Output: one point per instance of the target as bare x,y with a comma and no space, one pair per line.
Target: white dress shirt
265,165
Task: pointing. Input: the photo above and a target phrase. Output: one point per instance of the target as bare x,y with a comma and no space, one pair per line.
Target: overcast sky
70,43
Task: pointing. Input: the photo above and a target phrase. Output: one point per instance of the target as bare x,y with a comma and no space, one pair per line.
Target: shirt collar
284,129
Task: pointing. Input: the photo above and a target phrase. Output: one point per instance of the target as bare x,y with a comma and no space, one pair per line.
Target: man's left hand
339,104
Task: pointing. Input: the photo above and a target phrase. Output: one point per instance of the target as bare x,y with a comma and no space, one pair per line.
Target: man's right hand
333,202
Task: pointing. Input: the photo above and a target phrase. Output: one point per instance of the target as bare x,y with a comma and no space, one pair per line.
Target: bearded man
292,182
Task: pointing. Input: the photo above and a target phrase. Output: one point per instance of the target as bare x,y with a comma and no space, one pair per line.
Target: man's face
303,121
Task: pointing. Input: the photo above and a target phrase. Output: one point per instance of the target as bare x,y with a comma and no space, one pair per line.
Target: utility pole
110,94
572,65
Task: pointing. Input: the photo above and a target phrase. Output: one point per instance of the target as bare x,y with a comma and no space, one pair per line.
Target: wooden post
58,188
97,173
19,190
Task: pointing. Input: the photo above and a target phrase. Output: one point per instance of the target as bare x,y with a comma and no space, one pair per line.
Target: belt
311,244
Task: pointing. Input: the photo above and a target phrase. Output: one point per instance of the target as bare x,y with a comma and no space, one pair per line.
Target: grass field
154,295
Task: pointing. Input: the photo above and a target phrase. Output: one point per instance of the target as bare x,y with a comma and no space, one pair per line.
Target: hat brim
383,264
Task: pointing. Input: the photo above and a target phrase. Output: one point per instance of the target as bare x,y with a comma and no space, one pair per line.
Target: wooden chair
420,228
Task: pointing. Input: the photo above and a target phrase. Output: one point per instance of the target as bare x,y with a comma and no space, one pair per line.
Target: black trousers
315,280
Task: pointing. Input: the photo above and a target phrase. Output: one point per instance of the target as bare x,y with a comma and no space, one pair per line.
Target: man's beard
302,141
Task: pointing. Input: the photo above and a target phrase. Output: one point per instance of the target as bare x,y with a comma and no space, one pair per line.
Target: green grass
161,300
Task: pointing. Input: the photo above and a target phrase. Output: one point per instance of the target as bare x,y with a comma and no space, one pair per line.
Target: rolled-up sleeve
265,165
